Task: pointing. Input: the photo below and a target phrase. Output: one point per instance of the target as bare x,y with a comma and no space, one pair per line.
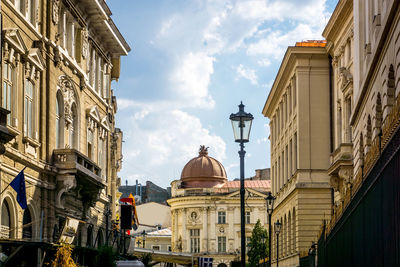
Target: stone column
185,240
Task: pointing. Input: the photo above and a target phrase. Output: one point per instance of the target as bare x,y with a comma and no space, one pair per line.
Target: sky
191,64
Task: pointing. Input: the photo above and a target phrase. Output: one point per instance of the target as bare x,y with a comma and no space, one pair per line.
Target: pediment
36,58
248,193
94,113
105,124
13,37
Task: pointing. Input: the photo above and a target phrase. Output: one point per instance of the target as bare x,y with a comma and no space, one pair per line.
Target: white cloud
160,140
191,79
164,143
264,62
247,73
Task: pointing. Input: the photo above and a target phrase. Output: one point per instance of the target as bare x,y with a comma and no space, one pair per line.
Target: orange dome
203,171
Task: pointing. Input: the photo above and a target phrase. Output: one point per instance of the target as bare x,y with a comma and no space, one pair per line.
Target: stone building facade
339,33
205,210
297,107
58,61
363,41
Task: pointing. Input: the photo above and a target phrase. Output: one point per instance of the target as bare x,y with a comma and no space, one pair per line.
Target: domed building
205,210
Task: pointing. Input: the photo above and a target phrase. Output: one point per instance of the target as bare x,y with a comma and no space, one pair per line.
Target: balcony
341,169
77,171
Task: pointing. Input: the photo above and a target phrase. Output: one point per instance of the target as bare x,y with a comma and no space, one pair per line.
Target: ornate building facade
364,228
297,107
205,210
339,34
58,61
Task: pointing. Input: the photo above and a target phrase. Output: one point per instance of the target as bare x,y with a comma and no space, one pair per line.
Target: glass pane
30,119
8,97
57,132
4,102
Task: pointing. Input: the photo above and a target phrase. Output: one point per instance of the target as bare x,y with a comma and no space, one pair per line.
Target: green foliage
106,257
146,259
258,245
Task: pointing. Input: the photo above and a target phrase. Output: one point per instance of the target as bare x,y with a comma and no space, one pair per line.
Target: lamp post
263,248
270,199
144,238
278,226
241,125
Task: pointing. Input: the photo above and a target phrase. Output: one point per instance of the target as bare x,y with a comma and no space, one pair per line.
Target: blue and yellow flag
19,186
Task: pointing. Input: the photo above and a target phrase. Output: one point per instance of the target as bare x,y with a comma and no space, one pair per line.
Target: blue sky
191,64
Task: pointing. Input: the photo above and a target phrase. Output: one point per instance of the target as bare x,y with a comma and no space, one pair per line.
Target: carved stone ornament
85,43
66,86
55,11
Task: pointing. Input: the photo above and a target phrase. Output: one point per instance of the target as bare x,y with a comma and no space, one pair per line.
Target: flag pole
10,182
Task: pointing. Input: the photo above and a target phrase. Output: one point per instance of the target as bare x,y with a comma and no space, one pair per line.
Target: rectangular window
295,151
247,217
156,248
90,143
221,217
194,240
294,91
100,153
290,159
248,239
286,164
29,109
221,244
106,86
8,75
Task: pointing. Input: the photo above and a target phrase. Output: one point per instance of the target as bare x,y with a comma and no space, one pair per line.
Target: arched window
5,221
89,239
294,230
289,234
8,89
339,126
59,120
27,225
390,89
73,127
285,237
281,237
369,132
361,150
378,115
100,238
29,108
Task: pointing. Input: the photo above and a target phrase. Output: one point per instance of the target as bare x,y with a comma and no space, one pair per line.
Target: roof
161,232
249,184
203,171
312,43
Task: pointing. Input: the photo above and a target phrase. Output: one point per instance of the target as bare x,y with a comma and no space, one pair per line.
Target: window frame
7,102
221,217
30,112
222,244
194,240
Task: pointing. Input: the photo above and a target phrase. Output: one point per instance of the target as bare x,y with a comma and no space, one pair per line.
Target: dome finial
203,151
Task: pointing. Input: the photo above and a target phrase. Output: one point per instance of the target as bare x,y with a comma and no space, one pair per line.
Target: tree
258,245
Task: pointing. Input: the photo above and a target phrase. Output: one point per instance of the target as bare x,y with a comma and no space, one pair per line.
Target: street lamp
278,226
270,199
241,125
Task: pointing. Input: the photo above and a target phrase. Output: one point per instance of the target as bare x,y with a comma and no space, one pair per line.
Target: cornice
285,69
343,10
